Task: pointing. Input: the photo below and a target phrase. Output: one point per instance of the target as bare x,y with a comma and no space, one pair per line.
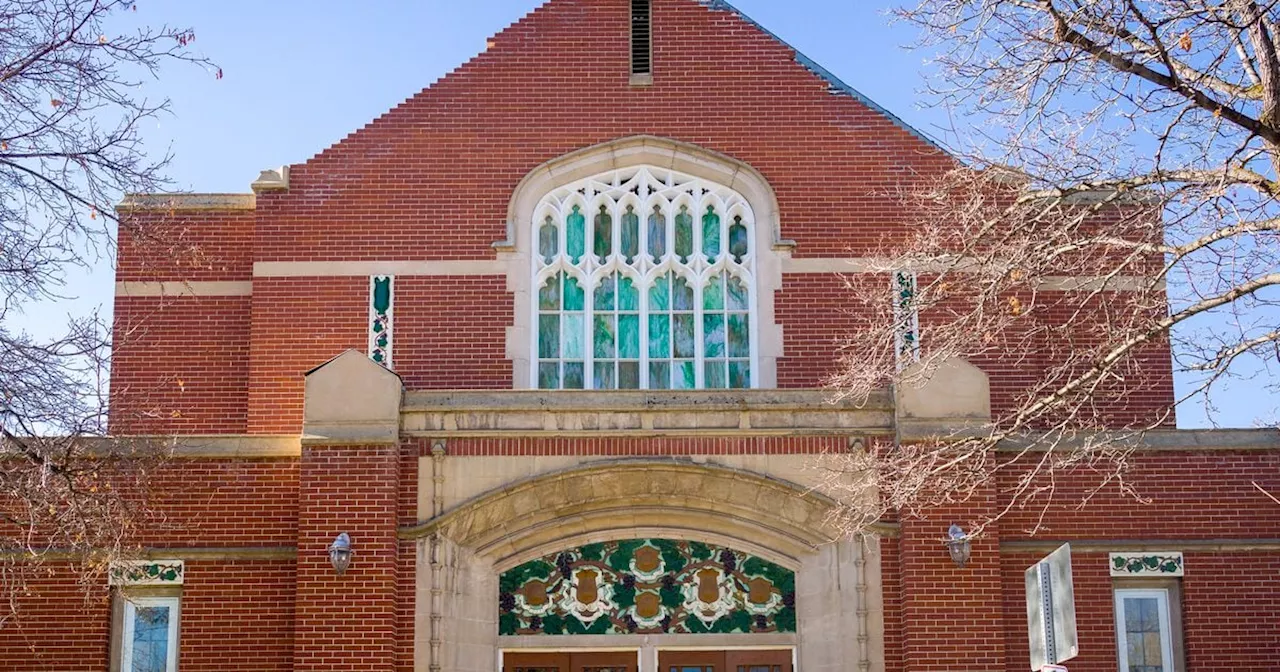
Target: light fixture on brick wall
958,544
340,553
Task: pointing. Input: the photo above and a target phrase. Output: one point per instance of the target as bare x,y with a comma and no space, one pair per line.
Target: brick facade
430,182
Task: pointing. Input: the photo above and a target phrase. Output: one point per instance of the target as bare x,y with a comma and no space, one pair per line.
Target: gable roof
836,85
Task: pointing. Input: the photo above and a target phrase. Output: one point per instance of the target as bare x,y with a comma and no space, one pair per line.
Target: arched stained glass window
645,280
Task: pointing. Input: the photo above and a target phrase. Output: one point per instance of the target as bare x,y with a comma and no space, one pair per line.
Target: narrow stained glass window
653,292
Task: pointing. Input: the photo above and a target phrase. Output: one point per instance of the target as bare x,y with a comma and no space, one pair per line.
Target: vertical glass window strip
1145,642
906,317
653,292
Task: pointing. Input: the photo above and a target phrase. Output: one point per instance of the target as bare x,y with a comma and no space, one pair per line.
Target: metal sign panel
1051,610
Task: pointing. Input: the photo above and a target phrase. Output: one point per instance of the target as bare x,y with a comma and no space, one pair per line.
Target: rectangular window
1144,630
149,634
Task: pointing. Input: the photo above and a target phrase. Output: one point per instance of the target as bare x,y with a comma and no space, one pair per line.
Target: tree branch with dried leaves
71,147
1129,149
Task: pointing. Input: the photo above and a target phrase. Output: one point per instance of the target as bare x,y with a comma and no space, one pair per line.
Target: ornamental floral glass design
380,288
644,280
906,317
646,586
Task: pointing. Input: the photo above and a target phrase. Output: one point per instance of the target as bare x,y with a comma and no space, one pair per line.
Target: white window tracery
644,278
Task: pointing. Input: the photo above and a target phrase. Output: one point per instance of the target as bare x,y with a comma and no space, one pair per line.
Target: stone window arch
643,264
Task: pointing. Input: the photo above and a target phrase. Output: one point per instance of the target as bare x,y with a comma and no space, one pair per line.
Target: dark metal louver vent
641,38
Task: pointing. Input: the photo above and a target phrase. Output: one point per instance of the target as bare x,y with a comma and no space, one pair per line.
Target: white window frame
130,614
608,188
1161,595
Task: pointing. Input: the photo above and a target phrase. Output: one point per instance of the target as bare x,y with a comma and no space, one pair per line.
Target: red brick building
546,341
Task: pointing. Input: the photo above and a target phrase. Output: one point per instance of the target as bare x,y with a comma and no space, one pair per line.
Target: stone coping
184,202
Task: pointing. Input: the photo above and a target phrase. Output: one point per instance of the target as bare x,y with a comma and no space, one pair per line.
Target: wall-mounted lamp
958,543
340,553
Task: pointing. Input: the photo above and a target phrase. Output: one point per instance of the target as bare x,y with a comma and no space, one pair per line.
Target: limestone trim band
180,288
501,267
189,554
641,413
1138,545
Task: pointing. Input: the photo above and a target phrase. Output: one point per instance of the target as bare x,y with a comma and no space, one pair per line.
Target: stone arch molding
776,520
661,153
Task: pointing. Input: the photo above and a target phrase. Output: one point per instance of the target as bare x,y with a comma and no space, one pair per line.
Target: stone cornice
641,413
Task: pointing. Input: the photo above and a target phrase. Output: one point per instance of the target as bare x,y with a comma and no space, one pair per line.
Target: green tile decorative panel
380,319
906,316
646,586
643,279
1149,563
146,573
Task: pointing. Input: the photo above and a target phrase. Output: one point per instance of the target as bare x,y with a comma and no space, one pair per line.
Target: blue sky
299,76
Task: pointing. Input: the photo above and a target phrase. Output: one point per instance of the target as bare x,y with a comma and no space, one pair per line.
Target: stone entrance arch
837,581
625,499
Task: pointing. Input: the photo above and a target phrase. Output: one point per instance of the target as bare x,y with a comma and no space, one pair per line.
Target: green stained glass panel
660,294
629,336
628,295
682,291
739,335
738,239
714,376
547,240
657,234
381,294
659,375
684,234
605,376
549,294
659,336
576,234
630,234
683,336
573,376
739,375
571,339
603,235
685,378
606,293
548,336
628,375
604,337
713,335
713,294
548,376
574,296
739,295
711,233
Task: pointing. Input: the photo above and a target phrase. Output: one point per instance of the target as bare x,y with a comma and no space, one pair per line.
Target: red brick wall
348,622
432,178
185,245
180,365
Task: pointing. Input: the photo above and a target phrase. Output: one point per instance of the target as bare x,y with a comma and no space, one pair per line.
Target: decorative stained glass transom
644,279
646,586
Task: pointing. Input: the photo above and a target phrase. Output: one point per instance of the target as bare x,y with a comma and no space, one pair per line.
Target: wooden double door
772,660
764,660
